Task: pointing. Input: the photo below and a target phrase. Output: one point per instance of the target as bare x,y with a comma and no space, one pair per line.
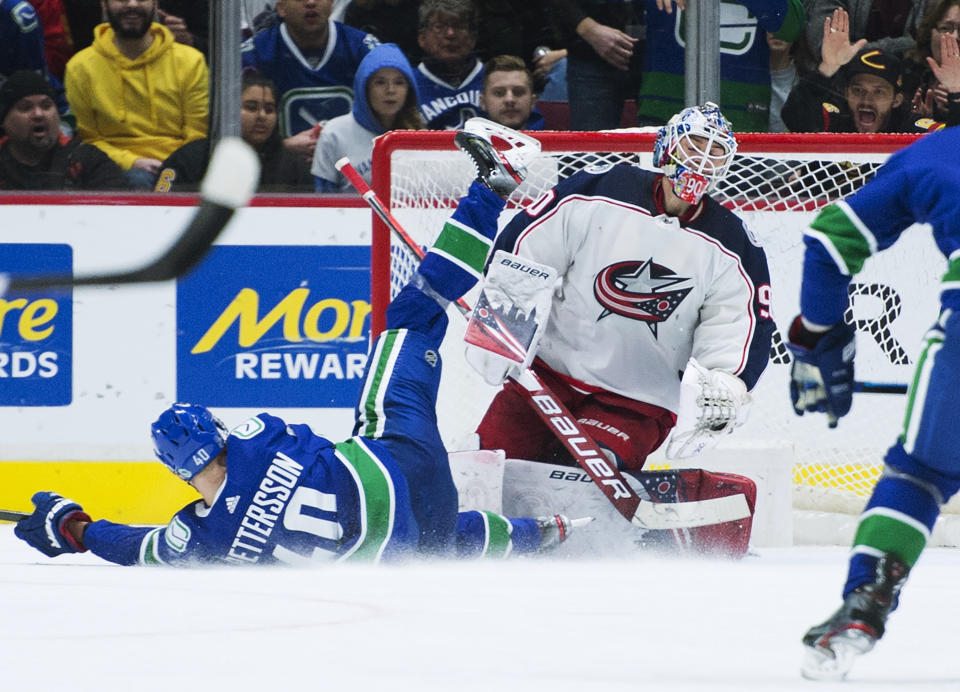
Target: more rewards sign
279,326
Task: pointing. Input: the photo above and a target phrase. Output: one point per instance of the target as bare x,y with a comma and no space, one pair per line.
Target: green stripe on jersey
953,271
379,370
888,534
498,543
463,244
150,550
843,232
377,499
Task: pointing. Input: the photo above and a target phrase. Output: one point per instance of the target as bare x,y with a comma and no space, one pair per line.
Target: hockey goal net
777,184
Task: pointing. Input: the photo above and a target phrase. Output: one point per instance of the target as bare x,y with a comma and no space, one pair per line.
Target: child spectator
280,169
385,98
34,155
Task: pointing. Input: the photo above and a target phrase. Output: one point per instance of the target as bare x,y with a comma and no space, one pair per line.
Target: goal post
777,184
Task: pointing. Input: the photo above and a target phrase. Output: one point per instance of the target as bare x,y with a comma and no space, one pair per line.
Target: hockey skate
502,170
556,529
832,647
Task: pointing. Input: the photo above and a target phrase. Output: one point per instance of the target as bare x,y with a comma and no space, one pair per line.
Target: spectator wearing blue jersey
450,76
508,97
21,39
277,492
312,59
384,98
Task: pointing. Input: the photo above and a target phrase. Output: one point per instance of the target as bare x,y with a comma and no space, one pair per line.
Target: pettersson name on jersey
262,513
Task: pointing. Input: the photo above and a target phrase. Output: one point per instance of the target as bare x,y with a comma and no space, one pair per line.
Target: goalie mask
186,438
695,149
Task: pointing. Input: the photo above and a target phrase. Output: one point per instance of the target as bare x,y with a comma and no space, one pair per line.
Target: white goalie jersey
642,291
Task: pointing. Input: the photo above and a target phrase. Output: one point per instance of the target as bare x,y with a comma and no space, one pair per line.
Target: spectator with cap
34,154
853,89
508,97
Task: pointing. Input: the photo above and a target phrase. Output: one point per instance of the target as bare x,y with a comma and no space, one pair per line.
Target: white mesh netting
777,184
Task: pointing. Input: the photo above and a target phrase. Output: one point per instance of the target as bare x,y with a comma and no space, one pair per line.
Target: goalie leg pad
729,539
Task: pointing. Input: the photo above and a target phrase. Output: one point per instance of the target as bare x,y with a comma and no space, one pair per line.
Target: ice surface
645,623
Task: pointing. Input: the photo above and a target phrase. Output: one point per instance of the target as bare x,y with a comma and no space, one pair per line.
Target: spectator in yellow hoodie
137,94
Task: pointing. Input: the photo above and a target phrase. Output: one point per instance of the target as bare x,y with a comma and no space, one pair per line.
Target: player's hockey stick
10,515
565,426
230,181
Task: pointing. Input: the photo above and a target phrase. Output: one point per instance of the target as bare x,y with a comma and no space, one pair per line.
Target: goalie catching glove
510,316
712,404
821,378
46,529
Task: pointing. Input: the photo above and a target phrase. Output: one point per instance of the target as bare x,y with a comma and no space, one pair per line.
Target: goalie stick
229,183
565,426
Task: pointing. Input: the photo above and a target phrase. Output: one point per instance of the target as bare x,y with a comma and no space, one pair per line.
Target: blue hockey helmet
694,165
187,437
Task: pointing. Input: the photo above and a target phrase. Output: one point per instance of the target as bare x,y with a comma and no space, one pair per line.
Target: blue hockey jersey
447,107
310,92
21,39
290,496
907,189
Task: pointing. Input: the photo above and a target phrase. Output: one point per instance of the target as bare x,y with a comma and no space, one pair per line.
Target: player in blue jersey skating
278,492
919,184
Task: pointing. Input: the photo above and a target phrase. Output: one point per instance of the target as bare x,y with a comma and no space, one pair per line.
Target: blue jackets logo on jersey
637,290
36,330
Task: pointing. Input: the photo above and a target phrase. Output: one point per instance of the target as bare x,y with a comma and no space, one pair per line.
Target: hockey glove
821,378
46,529
712,404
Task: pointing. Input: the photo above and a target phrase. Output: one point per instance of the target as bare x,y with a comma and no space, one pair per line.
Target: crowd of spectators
323,78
